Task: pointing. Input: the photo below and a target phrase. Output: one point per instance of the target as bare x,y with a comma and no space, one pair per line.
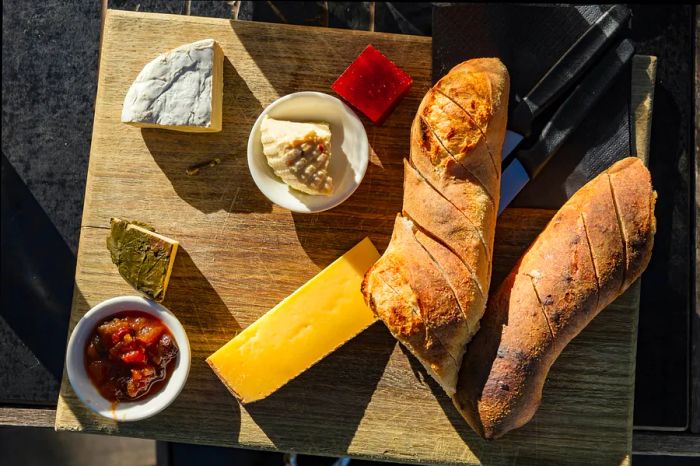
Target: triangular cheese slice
299,153
180,90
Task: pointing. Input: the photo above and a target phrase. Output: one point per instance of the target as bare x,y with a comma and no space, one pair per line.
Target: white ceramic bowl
349,151
130,410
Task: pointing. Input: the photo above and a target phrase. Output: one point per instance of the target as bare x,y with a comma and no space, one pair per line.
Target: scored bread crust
591,251
474,85
430,286
436,215
630,184
459,278
459,138
411,288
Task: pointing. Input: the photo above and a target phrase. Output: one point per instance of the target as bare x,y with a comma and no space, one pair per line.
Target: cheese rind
180,90
143,257
312,322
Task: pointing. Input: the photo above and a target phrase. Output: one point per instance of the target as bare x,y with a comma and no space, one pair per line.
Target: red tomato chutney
130,355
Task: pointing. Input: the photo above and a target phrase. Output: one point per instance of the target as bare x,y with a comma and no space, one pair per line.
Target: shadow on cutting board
227,186
528,444
208,321
209,325
500,451
459,424
370,211
320,411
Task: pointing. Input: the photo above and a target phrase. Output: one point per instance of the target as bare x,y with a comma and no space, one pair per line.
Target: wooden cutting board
241,255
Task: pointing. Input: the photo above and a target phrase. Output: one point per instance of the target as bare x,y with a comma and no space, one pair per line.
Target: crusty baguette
590,252
418,305
430,286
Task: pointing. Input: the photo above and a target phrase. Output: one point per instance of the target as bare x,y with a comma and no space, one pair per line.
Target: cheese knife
565,72
525,164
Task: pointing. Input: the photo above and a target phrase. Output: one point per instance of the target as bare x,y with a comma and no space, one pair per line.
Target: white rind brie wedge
299,153
181,90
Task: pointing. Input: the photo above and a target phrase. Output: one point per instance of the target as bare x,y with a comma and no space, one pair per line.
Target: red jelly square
373,84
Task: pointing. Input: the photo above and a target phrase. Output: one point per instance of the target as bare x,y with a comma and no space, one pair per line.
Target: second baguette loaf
592,250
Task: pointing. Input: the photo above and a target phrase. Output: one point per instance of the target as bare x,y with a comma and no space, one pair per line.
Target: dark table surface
50,56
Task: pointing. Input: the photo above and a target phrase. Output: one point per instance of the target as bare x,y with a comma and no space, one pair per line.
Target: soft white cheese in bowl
349,151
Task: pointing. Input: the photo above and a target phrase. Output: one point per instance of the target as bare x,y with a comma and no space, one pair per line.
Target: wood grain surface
241,255
667,444
27,417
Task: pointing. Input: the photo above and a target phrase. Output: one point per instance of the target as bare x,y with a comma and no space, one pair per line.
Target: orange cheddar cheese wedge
311,323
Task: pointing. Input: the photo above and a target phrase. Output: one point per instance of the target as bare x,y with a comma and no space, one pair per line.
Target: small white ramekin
349,151
129,410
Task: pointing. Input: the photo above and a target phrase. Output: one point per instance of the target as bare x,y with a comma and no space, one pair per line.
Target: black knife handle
575,108
567,70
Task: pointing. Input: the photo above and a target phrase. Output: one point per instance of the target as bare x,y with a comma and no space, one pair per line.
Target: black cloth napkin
529,40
